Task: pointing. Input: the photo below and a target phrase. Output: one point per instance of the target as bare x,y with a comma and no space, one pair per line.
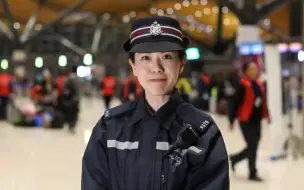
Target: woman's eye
145,58
167,56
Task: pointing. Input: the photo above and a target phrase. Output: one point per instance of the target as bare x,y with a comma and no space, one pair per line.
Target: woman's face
157,72
252,71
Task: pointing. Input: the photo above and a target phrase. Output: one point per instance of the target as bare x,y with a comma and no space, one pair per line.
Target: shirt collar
166,114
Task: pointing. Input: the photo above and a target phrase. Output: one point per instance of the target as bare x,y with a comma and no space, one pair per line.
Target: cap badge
155,29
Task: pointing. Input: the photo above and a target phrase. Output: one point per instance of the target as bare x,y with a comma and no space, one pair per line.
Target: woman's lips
157,80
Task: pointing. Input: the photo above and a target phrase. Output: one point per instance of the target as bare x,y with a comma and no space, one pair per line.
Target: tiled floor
37,159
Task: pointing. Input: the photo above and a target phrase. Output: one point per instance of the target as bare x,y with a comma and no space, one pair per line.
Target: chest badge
175,159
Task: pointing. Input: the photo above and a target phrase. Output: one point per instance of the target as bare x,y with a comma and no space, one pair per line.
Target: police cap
156,34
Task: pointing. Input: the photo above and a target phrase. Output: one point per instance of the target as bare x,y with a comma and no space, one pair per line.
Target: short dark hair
246,65
181,55
74,69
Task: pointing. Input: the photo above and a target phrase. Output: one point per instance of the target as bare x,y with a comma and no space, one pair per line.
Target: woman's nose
157,66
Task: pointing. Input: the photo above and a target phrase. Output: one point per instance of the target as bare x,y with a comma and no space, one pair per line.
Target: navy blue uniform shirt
127,151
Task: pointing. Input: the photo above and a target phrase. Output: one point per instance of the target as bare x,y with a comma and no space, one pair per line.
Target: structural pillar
274,98
302,144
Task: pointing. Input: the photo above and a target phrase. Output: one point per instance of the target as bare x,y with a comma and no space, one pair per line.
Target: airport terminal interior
49,46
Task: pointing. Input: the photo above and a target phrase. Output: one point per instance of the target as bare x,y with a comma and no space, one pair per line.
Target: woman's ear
182,65
132,64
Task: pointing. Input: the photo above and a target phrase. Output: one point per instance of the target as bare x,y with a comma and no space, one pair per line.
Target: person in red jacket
62,77
249,107
60,88
108,87
131,88
6,90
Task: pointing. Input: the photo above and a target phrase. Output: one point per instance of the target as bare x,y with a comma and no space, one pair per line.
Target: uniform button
106,114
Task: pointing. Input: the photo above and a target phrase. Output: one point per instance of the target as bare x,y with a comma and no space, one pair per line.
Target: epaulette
195,117
119,110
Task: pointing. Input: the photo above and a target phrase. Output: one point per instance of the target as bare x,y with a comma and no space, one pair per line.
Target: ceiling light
170,11
191,27
206,11
209,29
190,18
204,2
199,29
226,21
106,16
267,21
225,10
132,14
198,13
38,27
160,12
153,11
235,21
194,2
177,6
126,18
17,25
215,9
186,3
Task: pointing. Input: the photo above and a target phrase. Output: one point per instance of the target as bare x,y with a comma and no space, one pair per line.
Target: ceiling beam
8,15
197,42
69,44
60,17
30,25
231,6
270,6
6,31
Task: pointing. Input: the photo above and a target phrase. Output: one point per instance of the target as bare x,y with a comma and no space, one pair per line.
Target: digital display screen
257,49
245,50
251,49
283,48
295,47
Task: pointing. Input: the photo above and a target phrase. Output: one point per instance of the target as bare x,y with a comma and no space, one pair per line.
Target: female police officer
129,148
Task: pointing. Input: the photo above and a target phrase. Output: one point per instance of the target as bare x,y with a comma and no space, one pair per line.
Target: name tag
258,102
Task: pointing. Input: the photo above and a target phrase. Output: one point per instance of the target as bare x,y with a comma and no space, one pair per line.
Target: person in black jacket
249,106
159,141
71,99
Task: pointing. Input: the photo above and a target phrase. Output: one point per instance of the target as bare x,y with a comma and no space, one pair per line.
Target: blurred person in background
108,86
130,146
131,88
184,87
250,107
60,88
95,83
19,80
203,89
231,83
43,92
6,92
222,103
60,82
71,99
